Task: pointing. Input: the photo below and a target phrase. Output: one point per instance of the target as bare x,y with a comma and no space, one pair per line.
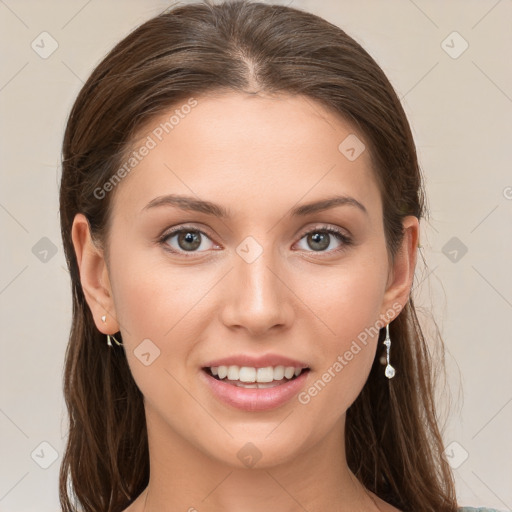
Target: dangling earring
110,337
109,343
389,372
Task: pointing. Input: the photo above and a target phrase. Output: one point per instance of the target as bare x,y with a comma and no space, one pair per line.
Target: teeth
289,372
255,375
263,375
245,374
233,373
279,373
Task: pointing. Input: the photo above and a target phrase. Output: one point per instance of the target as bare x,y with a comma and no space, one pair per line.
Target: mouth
255,377
253,389
251,383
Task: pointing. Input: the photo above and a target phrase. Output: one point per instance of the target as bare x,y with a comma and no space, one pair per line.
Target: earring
109,343
389,371
110,337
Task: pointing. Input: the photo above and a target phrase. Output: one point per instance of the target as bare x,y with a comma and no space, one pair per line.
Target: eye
186,239
321,238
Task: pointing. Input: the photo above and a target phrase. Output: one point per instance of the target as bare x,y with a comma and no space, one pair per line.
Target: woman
240,207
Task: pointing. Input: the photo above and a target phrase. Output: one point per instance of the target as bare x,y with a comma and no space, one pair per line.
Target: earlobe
93,276
402,273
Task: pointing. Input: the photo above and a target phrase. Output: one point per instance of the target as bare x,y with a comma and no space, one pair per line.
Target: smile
252,377
255,389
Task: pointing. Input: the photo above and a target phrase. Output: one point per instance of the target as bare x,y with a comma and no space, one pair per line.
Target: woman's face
250,288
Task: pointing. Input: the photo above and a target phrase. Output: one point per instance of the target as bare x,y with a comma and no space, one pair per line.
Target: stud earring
389,372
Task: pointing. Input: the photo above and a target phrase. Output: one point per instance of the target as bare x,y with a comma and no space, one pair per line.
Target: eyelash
342,237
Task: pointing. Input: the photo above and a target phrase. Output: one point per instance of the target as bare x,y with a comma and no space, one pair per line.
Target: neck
182,477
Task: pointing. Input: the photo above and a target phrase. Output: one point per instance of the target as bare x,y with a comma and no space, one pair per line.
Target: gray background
459,104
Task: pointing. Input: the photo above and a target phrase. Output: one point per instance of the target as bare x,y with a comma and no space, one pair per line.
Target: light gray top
481,509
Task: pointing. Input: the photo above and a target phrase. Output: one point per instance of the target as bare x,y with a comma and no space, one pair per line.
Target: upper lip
256,361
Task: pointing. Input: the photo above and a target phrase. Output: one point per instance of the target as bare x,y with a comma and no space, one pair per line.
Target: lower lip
253,399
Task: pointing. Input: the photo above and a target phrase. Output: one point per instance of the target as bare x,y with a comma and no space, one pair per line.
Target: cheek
151,296
346,299
159,302
348,305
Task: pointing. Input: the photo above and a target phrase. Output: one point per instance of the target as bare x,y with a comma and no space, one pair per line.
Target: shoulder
480,509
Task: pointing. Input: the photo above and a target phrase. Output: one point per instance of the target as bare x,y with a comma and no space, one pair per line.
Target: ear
94,276
401,273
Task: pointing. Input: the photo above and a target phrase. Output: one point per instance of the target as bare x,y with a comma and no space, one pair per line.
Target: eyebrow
198,205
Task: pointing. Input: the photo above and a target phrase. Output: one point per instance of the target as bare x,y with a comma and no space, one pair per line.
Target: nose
258,298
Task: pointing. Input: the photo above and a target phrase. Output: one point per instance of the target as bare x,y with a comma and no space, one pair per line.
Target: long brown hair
393,441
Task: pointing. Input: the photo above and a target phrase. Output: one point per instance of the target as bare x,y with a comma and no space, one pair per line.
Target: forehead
241,149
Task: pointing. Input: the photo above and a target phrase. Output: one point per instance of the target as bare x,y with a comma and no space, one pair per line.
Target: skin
257,156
